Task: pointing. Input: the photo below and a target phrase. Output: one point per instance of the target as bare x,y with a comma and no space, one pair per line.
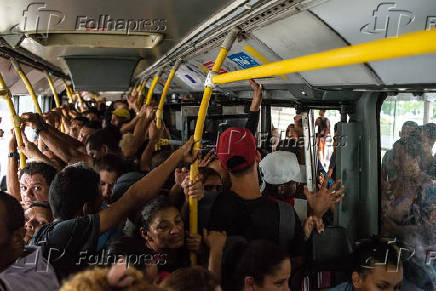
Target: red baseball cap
236,149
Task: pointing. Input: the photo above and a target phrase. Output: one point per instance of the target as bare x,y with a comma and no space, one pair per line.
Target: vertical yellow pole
55,96
53,90
81,103
23,77
139,97
68,91
6,95
153,85
159,112
198,133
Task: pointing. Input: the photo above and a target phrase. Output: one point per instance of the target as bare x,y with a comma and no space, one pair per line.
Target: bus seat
330,252
330,249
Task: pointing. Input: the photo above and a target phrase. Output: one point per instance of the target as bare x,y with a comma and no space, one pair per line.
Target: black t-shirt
253,219
69,245
253,121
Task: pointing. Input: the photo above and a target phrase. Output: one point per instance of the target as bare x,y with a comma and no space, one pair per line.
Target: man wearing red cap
243,211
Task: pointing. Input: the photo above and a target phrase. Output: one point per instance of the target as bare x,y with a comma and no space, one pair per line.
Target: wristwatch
13,155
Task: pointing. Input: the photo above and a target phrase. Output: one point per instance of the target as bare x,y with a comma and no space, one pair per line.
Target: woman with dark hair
260,265
376,265
162,227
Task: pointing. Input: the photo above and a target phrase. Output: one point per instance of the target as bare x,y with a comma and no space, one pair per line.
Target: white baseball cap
281,167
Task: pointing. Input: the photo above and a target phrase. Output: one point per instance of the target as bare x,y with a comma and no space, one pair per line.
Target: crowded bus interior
218,145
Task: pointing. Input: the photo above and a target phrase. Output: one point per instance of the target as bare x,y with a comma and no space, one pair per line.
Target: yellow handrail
410,44
199,127
23,77
139,99
81,102
159,112
55,96
53,90
6,95
68,91
153,85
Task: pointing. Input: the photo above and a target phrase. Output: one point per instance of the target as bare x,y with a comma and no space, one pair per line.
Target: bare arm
31,151
145,164
257,98
12,182
61,144
144,190
129,126
215,240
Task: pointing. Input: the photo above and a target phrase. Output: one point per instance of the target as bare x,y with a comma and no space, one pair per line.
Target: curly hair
96,280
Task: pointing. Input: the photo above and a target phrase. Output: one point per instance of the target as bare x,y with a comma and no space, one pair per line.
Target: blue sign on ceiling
243,60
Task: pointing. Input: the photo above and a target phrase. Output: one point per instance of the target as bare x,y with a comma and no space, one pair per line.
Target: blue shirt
346,286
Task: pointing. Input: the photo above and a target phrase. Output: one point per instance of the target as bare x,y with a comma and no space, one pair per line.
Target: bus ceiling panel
48,21
191,77
370,20
34,77
101,73
244,54
9,75
303,34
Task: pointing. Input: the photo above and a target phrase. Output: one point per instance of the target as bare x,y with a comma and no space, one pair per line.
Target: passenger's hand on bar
193,189
154,133
193,242
185,150
257,98
29,149
256,87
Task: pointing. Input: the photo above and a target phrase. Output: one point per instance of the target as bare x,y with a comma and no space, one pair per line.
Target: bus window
408,174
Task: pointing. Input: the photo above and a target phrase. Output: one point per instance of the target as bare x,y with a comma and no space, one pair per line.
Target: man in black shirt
243,211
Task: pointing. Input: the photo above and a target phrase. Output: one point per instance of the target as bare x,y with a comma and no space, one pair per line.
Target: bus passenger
87,130
243,211
388,169
76,126
21,268
258,265
35,180
376,265
79,220
428,140
37,215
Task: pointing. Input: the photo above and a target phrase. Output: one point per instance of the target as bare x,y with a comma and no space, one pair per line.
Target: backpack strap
286,224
